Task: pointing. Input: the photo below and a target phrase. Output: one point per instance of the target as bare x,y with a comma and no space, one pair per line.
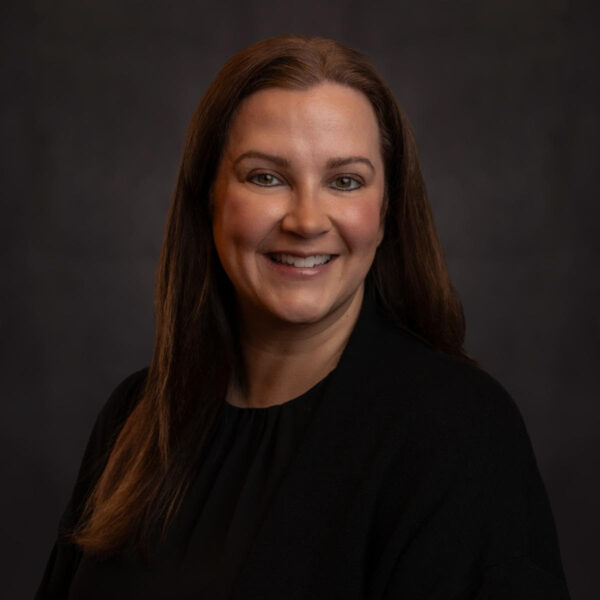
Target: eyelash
358,183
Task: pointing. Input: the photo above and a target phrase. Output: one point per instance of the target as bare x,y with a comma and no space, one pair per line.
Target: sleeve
519,543
65,556
481,525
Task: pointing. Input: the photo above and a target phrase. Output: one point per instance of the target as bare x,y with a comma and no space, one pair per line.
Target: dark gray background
97,95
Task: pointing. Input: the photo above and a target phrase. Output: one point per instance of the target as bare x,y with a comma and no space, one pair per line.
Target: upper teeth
298,261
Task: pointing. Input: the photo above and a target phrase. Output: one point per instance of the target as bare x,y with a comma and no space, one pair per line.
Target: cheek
362,226
240,223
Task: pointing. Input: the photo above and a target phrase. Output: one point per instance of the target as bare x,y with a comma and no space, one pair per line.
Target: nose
306,216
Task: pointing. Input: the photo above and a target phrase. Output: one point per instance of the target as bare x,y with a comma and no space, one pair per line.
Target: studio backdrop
503,100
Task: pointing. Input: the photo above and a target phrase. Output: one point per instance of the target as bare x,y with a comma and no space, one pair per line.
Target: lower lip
299,272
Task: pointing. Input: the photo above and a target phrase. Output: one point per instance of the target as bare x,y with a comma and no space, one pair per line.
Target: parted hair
196,352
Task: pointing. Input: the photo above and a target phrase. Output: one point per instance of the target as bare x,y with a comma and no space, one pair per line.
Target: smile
301,261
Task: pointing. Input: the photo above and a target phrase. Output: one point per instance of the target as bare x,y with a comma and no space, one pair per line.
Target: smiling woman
296,227
310,425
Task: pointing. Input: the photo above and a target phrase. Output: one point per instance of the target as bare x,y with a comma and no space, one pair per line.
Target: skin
279,190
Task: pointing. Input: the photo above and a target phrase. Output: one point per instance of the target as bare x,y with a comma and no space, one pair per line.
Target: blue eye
346,183
264,179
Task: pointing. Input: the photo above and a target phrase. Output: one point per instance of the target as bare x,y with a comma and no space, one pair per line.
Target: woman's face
297,201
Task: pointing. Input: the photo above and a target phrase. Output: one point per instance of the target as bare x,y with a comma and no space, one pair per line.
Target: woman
310,425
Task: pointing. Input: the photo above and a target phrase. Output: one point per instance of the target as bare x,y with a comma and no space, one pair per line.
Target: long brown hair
195,352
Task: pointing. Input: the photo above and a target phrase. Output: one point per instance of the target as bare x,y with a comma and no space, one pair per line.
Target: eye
346,183
264,179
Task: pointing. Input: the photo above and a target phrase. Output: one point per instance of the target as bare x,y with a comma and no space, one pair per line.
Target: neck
284,360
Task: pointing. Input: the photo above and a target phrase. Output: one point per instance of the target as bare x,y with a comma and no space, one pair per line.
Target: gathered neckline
277,407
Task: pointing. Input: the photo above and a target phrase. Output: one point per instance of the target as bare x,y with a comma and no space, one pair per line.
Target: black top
412,476
248,452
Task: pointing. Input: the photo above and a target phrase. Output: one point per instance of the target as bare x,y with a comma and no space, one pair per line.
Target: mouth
306,262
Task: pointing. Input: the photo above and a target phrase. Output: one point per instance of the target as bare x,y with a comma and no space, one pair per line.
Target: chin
302,309
298,308
300,314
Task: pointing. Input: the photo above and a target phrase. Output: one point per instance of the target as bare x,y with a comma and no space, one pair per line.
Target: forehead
328,117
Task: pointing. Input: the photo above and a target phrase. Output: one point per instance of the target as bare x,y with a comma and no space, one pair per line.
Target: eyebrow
277,160
332,163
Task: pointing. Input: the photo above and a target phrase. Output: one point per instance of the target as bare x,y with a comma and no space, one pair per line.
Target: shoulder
402,361
115,411
444,401
451,392
108,424
111,419
468,420
120,403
